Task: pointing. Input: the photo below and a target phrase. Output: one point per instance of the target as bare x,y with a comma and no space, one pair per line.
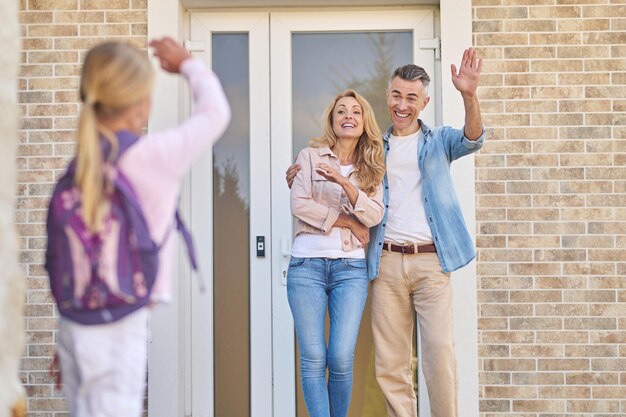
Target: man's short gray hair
411,72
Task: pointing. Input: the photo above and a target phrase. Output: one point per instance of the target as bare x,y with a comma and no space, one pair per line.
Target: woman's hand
291,173
170,53
359,231
330,173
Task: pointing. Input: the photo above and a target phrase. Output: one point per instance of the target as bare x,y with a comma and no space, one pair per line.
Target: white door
280,70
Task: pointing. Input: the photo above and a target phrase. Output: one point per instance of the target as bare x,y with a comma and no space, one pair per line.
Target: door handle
285,251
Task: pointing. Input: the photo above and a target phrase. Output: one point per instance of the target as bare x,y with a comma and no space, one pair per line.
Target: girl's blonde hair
114,77
369,153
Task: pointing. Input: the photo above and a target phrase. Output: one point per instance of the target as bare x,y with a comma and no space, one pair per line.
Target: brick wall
551,216
55,35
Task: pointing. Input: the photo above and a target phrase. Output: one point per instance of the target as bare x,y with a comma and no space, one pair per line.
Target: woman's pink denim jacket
317,202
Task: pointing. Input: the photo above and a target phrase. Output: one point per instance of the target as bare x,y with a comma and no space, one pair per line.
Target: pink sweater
157,163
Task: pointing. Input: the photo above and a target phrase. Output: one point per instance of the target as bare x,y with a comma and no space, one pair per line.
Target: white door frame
166,365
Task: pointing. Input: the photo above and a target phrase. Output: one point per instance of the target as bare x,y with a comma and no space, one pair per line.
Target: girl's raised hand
170,53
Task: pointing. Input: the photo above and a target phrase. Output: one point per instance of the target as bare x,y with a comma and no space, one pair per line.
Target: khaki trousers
407,283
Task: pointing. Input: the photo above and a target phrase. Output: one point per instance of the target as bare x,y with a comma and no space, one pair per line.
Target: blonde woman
336,197
104,365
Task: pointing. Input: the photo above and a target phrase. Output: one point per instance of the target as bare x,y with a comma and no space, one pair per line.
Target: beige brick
608,364
553,174
599,146
493,351
492,323
52,30
564,392
607,310
130,16
506,283
484,160
562,336
530,106
491,80
587,351
502,39
608,336
105,30
555,119
618,51
587,242
53,83
97,4
537,378
538,406
605,92
586,214
609,392
52,110
487,26
500,66
139,30
507,255
619,105
490,214
139,4
604,11
79,17
494,406
503,174
508,337
583,78
532,160
506,147
34,17
505,93
536,296
534,323
556,364
490,241
527,25
562,309
505,228
505,201
556,65
510,364
590,323
505,310
532,269
587,406
591,378
560,12
541,241
532,133
608,281
532,187
556,39
29,44
530,214
560,228
494,378
583,25
500,12
582,132
586,187
488,53
510,392
584,105
528,52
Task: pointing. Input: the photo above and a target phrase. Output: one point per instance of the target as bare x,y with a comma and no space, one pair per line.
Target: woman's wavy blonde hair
369,153
115,76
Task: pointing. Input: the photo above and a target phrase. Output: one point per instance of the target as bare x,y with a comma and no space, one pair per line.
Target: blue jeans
313,286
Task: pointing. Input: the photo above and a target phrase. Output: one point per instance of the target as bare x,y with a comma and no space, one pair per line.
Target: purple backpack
100,278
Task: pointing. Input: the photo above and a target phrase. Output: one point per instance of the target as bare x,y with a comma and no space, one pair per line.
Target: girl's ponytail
89,167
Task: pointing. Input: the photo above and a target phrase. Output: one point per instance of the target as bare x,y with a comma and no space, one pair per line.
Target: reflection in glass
231,267
324,64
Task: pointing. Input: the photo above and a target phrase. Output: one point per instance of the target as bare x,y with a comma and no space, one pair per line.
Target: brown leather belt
410,249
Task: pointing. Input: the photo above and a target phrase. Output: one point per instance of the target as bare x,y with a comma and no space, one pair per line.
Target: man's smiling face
405,100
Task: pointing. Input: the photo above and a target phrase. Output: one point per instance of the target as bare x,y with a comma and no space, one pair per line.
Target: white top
406,219
308,245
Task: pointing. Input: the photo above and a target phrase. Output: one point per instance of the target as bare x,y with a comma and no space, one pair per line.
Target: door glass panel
324,64
231,202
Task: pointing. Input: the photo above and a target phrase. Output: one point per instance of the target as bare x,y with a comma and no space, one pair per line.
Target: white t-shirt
406,219
308,245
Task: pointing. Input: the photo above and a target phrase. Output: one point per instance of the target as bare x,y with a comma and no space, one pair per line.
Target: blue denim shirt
437,148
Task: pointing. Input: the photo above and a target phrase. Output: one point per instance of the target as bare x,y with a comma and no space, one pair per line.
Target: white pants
103,367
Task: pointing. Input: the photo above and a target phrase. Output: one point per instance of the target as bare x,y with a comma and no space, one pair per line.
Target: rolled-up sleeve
369,210
303,205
